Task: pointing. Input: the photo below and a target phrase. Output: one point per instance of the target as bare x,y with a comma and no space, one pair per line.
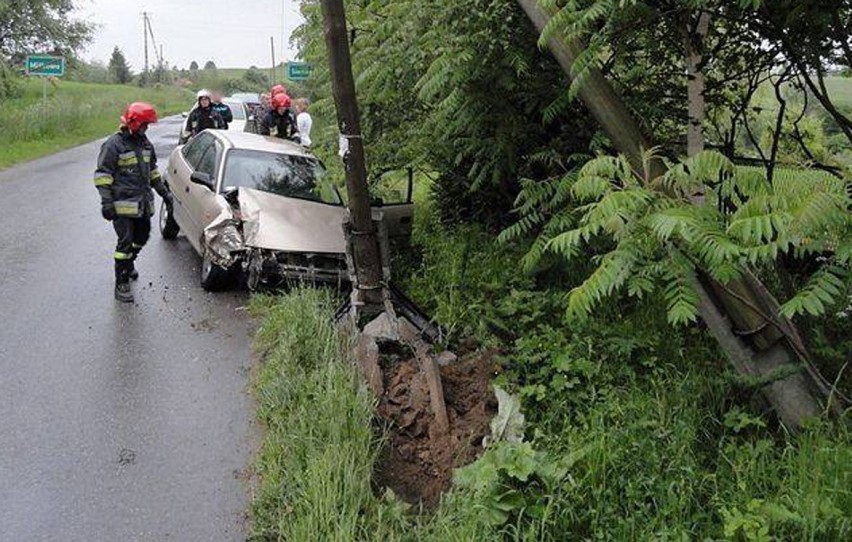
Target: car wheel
169,229
214,277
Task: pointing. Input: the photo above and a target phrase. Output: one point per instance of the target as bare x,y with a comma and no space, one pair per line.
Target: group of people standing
280,116
277,115
127,170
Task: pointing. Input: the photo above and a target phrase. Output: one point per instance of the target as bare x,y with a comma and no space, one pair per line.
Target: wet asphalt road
117,422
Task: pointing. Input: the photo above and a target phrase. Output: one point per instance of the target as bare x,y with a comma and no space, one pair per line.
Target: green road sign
298,71
45,65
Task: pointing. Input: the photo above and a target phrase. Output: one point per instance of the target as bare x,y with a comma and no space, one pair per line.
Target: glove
108,211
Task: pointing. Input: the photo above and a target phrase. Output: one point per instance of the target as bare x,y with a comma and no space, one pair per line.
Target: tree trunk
772,348
695,83
368,266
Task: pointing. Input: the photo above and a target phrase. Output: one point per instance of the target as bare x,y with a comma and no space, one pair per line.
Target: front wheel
169,229
214,277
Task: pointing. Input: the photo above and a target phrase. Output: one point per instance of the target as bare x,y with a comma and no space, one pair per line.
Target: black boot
133,274
123,293
122,281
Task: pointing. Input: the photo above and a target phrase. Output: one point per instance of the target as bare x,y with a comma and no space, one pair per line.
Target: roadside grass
635,431
316,460
76,113
639,448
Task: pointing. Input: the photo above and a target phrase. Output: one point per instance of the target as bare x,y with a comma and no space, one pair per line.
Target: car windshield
282,174
237,110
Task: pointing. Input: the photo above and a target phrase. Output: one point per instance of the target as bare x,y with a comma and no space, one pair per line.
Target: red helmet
280,100
278,89
137,114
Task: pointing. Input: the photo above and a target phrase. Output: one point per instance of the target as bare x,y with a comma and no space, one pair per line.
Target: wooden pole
365,241
272,51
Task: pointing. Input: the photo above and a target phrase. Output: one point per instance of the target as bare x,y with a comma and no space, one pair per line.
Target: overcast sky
232,33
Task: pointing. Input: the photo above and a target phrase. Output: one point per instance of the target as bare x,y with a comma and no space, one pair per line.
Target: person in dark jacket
223,110
202,117
259,113
280,122
125,174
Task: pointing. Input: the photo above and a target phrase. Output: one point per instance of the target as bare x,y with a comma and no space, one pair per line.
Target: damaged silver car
260,208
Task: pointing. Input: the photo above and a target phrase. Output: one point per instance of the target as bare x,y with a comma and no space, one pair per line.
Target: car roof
255,142
246,97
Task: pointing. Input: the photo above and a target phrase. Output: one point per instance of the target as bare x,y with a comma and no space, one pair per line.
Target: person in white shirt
304,121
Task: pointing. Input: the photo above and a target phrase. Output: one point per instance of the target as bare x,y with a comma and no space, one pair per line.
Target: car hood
292,225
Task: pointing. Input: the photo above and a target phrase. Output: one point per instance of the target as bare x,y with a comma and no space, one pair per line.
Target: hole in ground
417,461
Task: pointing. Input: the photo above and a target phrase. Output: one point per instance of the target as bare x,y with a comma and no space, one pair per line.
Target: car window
194,150
210,159
287,175
237,110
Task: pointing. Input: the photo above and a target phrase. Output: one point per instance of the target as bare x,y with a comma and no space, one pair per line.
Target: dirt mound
417,461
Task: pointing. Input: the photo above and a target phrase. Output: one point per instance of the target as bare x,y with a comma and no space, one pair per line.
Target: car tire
214,278
169,229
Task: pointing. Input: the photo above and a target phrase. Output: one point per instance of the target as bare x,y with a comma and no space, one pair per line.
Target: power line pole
145,35
365,242
272,49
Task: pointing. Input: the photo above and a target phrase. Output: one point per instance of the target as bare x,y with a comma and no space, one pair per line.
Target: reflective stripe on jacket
126,172
281,126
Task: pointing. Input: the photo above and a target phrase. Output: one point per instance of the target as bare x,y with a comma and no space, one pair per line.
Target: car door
184,162
395,195
204,204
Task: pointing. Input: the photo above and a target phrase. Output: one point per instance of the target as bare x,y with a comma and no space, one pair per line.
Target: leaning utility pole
368,268
741,315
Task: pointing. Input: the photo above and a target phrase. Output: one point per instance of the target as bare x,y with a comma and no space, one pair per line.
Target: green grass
317,456
76,113
635,430
840,90
640,447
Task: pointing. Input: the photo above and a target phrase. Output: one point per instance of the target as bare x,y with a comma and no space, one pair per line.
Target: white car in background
240,111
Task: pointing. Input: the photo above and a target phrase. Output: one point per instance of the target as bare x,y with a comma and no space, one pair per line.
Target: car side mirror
199,177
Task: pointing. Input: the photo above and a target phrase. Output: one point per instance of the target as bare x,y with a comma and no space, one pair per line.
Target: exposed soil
417,461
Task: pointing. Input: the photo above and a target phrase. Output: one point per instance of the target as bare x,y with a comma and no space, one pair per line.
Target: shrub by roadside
635,431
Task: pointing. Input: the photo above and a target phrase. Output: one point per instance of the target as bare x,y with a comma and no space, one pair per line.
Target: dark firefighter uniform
126,172
281,126
200,119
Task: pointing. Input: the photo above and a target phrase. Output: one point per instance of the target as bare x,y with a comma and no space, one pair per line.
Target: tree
119,71
28,26
89,72
210,65
193,66
256,78
454,87
691,281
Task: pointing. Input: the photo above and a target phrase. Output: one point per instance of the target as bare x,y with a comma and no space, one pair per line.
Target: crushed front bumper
266,267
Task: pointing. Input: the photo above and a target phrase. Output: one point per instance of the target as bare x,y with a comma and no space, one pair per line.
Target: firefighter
280,121
204,116
126,172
